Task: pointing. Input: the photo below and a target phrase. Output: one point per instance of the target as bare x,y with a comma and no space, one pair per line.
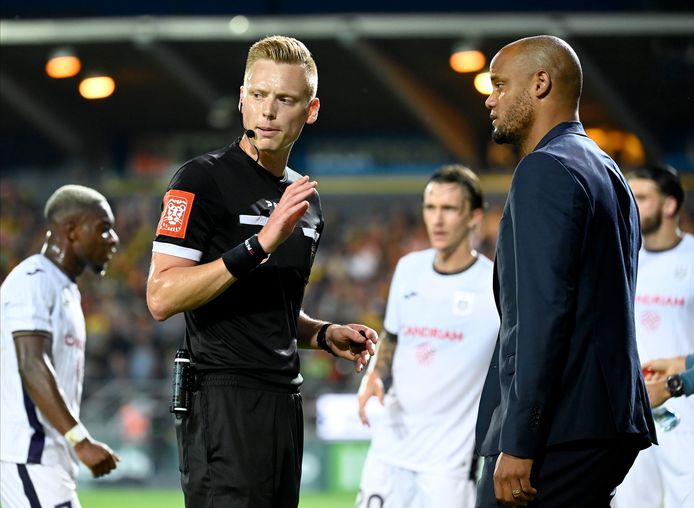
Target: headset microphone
250,133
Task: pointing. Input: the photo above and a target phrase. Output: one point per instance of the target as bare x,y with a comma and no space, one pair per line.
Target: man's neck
542,126
665,238
456,261
58,257
274,162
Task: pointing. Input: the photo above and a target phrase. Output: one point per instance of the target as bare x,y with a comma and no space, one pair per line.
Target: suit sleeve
548,209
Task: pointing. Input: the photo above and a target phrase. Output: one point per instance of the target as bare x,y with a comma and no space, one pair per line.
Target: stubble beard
650,225
519,120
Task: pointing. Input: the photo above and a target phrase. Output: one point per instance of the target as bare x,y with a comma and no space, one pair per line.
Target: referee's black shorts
241,445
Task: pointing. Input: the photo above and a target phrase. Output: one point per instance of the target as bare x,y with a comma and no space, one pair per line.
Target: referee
233,251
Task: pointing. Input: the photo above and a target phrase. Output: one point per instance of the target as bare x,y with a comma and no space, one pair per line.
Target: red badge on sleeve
174,217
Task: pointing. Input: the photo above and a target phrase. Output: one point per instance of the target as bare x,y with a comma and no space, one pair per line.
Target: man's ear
69,229
542,84
476,219
313,108
669,207
241,100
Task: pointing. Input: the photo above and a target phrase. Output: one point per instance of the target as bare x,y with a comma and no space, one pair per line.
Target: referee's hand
291,207
353,342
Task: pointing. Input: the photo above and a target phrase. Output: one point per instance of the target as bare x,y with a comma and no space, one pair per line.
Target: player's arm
39,380
178,284
372,384
352,341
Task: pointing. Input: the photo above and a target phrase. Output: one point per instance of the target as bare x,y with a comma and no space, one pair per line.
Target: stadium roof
380,74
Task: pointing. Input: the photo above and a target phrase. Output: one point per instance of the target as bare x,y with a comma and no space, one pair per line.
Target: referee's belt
230,378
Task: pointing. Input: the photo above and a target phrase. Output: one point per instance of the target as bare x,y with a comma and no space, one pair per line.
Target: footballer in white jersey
664,313
42,339
38,296
442,314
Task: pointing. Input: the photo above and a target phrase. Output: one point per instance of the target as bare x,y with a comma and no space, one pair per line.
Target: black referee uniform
242,442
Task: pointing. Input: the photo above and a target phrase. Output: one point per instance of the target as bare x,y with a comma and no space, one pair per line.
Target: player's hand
371,385
352,342
98,457
657,391
512,480
664,367
291,207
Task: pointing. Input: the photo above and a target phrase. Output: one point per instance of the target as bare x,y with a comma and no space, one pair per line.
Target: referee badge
175,214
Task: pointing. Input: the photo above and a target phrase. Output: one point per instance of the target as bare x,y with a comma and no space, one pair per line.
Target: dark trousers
241,445
581,474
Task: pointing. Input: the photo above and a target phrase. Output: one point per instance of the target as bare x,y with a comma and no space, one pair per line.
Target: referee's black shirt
213,203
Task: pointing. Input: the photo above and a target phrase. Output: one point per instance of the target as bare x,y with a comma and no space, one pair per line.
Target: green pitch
130,498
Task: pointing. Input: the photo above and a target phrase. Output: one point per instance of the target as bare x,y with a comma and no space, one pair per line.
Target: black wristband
244,257
321,340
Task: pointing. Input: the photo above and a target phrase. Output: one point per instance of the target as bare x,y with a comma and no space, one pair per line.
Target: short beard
519,119
650,225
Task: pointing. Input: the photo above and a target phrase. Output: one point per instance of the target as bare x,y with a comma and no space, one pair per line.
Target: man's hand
512,480
664,367
286,214
657,391
352,342
98,457
371,385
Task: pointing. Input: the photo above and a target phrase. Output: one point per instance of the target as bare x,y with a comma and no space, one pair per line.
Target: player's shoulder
687,243
484,263
36,271
417,260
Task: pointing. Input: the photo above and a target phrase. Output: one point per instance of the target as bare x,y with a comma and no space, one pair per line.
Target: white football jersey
664,311
38,296
447,327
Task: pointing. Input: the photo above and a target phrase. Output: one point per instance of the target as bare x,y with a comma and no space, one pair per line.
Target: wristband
76,434
244,257
322,341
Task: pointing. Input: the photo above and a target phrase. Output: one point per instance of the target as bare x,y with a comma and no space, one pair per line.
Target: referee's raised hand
286,214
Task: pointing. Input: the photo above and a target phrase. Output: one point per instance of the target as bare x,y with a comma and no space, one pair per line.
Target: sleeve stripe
253,220
261,220
176,250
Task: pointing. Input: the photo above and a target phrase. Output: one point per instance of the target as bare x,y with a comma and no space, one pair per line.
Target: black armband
244,257
321,340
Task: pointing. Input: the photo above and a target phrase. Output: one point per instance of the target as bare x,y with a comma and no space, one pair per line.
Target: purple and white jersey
38,298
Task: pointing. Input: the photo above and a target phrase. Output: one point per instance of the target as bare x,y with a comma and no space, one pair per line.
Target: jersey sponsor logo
650,320
425,354
670,301
72,341
431,332
176,212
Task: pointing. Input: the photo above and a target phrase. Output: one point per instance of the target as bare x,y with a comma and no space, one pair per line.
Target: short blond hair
69,200
282,49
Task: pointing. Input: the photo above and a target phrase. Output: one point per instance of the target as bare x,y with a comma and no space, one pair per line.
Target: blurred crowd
359,249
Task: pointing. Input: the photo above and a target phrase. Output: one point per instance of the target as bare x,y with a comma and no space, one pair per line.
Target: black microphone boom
250,133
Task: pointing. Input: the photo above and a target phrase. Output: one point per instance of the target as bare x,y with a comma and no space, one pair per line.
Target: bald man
564,410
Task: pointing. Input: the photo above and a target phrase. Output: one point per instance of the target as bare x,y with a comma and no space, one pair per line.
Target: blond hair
281,49
69,200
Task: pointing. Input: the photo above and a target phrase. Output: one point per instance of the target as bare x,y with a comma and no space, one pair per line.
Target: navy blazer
565,366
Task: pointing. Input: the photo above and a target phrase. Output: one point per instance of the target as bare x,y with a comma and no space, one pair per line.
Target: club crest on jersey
176,212
462,303
681,272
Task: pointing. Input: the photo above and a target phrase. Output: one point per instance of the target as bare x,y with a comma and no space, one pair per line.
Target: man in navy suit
564,409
